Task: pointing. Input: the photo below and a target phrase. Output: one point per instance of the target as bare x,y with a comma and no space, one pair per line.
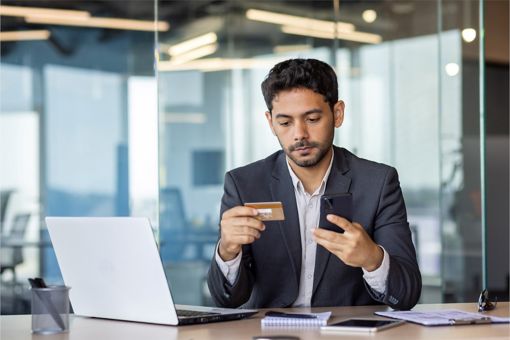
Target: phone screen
363,323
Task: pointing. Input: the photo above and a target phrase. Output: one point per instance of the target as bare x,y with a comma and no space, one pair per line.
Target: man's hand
354,247
238,226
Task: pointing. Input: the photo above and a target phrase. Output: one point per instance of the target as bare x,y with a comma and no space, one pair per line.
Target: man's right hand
238,226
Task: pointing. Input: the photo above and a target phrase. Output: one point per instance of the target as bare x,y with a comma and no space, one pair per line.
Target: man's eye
313,120
283,123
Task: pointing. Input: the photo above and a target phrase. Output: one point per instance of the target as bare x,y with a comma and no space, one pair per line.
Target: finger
240,211
246,231
341,222
356,232
244,239
330,245
327,234
358,226
247,221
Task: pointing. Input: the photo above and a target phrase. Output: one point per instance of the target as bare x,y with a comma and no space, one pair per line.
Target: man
292,262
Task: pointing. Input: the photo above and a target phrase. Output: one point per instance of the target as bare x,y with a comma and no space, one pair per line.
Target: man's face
304,125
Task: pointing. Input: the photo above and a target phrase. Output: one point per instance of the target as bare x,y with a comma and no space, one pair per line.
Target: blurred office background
142,116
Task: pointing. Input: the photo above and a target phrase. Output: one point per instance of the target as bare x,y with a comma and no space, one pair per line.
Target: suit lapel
282,190
337,183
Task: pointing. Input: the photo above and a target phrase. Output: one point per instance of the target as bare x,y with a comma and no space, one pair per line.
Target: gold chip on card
268,211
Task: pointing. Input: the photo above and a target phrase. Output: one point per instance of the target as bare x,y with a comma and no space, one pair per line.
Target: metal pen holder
50,310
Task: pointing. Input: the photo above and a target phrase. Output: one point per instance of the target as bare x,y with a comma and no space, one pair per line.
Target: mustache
303,144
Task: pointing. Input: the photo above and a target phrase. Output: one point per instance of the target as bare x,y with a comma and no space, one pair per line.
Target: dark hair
311,74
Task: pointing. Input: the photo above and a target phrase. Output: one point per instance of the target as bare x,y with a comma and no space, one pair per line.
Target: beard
307,163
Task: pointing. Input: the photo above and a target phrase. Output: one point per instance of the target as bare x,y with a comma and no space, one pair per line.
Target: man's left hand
354,247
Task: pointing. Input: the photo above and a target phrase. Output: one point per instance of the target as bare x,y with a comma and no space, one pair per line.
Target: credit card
268,211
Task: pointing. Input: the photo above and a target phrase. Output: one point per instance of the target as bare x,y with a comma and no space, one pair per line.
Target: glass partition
409,74
144,120
78,126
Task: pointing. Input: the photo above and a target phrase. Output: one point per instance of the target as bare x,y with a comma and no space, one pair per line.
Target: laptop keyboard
192,313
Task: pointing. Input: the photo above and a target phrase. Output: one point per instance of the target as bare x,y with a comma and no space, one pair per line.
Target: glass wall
409,75
144,120
78,126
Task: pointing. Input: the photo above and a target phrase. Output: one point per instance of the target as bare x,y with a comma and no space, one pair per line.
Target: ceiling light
194,54
292,20
362,37
292,48
193,43
369,15
452,69
25,35
111,23
220,64
469,34
17,11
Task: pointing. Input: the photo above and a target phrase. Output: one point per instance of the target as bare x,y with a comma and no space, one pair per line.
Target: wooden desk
18,328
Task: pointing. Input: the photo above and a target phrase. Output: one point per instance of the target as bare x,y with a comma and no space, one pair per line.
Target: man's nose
300,131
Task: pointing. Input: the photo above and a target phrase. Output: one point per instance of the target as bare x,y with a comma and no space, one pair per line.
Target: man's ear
269,118
338,113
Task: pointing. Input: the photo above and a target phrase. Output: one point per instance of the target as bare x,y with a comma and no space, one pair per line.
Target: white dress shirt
308,207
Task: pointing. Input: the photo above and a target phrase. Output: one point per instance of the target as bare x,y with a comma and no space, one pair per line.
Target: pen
470,321
290,315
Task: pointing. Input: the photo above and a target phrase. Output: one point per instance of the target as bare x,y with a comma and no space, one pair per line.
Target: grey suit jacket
270,267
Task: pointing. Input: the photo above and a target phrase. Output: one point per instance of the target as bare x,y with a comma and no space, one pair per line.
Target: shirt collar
299,186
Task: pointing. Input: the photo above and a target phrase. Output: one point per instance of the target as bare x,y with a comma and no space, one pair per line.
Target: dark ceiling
396,19
180,13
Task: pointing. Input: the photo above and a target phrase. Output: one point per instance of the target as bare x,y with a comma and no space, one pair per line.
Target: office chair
12,255
172,224
5,195
172,214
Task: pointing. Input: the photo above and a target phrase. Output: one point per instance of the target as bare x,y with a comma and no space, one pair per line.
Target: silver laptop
114,270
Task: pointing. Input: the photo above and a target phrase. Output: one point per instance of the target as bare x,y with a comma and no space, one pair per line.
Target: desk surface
18,327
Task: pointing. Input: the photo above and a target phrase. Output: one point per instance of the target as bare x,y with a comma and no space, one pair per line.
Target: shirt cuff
377,279
230,268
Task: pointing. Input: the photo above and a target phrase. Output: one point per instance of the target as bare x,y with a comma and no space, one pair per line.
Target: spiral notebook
280,319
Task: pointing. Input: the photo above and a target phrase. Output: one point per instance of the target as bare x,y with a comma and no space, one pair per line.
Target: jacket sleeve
223,293
391,230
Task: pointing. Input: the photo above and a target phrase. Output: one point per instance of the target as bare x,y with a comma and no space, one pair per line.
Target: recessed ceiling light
452,69
369,15
469,34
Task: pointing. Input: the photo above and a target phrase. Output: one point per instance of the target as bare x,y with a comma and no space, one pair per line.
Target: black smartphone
337,204
361,325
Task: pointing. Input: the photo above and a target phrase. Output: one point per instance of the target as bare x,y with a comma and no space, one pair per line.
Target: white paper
440,317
